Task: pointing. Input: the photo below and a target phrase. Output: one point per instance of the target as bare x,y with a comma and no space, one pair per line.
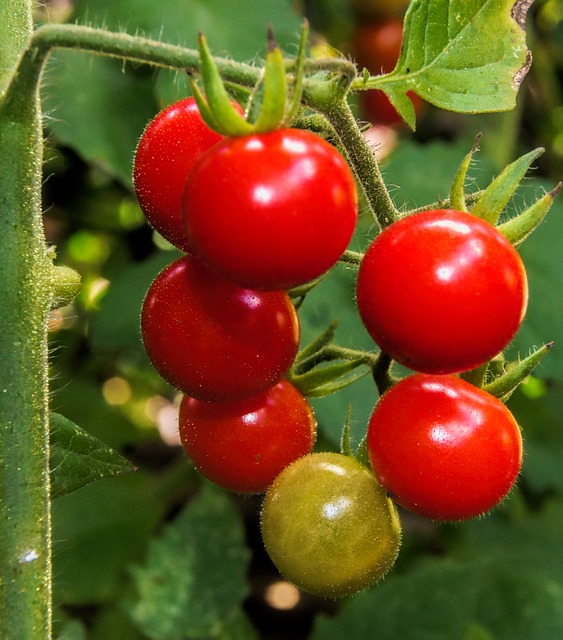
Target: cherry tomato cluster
441,292
256,215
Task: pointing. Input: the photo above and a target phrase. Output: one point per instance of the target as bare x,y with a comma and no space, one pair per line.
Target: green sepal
516,372
345,444
323,381
306,355
362,454
457,191
204,110
476,376
297,91
218,111
517,229
272,110
495,197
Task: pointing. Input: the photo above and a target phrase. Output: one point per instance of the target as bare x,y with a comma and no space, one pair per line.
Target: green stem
363,163
382,373
25,272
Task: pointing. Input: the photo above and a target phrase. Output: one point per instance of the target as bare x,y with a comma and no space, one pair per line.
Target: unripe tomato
329,526
444,448
442,291
243,445
166,152
272,210
214,340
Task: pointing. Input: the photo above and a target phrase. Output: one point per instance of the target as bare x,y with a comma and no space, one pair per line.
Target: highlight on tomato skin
328,525
444,448
442,291
214,340
243,446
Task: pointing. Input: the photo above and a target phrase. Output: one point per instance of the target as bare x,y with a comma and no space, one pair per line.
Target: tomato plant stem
25,271
363,163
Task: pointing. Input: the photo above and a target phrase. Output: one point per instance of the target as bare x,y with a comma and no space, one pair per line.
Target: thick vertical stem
25,562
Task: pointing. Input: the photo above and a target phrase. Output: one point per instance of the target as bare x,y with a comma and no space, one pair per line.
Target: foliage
157,554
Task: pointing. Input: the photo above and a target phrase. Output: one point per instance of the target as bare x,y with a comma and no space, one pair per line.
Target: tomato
328,525
272,210
376,47
442,291
243,445
444,448
214,340
166,152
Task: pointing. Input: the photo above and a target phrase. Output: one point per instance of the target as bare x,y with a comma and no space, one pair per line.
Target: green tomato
329,526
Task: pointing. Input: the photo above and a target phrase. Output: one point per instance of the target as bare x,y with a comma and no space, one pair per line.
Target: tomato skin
376,47
442,291
243,445
214,340
166,152
444,448
328,525
272,210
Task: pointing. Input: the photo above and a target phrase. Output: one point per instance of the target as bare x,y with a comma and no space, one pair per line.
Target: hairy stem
25,276
363,163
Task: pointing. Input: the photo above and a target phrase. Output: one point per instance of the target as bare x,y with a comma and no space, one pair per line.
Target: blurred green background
161,555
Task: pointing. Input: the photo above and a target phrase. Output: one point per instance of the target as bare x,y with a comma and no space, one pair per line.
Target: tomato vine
30,284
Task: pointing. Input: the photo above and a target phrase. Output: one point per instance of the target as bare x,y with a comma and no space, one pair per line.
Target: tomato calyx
315,371
514,373
491,202
274,102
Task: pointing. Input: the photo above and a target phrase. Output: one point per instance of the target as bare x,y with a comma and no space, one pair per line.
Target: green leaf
193,580
529,545
236,28
102,117
98,532
117,325
540,420
77,458
451,601
468,56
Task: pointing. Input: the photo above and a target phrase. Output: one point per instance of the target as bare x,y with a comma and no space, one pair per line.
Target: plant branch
25,299
363,163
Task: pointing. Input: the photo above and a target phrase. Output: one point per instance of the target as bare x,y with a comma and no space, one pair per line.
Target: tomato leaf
77,458
194,578
468,56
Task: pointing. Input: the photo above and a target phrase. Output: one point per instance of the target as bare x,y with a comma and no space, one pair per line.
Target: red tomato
214,340
442,291
243,445
273,210
167,150
377,46
444,448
